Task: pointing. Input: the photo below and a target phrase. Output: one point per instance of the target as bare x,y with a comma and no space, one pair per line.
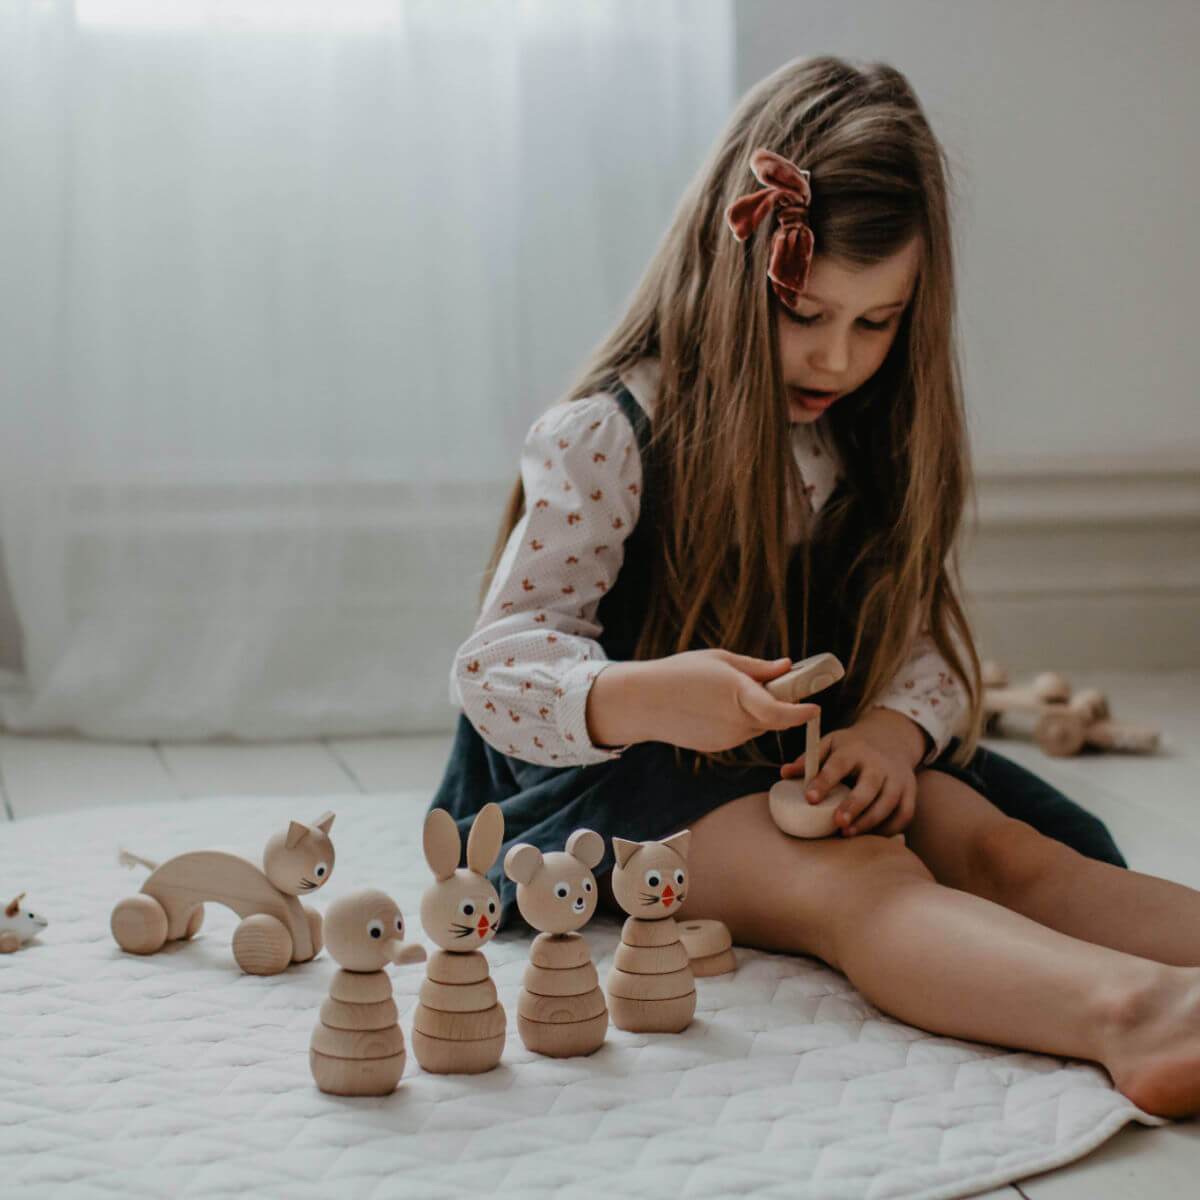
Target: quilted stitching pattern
176,1074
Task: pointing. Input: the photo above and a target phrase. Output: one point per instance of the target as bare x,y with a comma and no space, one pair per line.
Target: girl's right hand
712,700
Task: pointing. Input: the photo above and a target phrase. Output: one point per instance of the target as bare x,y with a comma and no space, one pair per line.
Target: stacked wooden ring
651,988
561,1012
709,947
459,1024
358,1048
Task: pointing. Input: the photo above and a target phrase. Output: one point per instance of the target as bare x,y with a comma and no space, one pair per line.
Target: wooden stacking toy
18,925
651,988
562,1011
709,947
459,1024
790,810
357,1049
276,929
1063,724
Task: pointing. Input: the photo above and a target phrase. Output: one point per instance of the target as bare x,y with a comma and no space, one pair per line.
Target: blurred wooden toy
789,808
651,988
276,929
1063,724
18,925
709,947
562,1011
459,1024
358,1047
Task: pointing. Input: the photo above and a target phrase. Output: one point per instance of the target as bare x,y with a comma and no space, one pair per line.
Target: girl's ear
679,842
15,906
324,823
442,843
296,831
624,850
522,862
587,846
485,838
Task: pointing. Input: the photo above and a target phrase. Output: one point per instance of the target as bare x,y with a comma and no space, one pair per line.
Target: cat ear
522,862
15,906
624,850
295,832
485,838
587,846
442,843
324,823
679,842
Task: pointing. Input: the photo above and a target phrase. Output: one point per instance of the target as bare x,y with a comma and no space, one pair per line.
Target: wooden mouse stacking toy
562,1011
651,988
276,928
459,1025
358,1048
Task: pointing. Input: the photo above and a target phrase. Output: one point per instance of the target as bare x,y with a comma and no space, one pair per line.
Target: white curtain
282,285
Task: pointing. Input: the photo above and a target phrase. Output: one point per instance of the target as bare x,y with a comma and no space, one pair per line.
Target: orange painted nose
668,896
483,926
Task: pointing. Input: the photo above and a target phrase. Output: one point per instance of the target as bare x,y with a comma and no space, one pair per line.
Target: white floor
1150,804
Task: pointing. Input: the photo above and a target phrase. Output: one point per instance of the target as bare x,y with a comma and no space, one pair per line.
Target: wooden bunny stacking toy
459,1024
276,928
358,1048
18,925
562,1011
651,988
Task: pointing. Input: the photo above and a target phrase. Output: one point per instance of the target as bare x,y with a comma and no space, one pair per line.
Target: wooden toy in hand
790,809
18,925
651,988
562,1011
276,929
459,1024
1063,724
358,1047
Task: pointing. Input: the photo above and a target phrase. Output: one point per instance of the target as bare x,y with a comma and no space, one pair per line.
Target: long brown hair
704,309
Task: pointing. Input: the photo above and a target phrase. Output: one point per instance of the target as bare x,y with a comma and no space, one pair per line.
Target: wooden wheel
262,945
1061,735
139,924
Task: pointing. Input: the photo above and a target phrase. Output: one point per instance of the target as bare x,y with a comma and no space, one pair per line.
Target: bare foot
1155,1059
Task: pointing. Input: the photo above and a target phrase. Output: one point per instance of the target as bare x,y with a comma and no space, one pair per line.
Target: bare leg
969,844
946,960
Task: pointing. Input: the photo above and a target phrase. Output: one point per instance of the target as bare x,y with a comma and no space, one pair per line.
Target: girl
764,460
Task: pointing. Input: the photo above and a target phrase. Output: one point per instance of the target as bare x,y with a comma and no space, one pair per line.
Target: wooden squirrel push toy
789,808
358,1047
276,928
18,925
562,1011
459,1024
1063,724
651,988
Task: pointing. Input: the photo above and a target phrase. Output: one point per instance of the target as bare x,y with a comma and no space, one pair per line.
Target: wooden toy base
441,1057
652,1016
356,1077
714,964
795,816
570,1039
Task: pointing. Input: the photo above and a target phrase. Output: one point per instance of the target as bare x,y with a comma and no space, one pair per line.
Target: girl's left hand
884,798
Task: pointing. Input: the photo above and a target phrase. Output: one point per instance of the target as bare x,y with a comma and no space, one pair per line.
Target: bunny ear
587,846
324,823
15,906
483,842
442,843
295,832
522,862
679,842
624,850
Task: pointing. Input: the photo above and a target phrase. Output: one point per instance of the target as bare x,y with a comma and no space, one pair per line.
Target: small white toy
18,925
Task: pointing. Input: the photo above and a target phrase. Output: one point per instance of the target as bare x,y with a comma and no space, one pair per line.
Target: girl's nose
832,357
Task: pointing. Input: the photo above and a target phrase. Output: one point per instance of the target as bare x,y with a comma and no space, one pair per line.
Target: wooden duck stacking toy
562,1011
651,988
276,928
358,1047
459,1024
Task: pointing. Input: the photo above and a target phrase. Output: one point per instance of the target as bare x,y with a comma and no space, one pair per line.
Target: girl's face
843,328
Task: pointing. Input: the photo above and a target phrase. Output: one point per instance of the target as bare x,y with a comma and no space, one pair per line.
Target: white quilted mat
177,1075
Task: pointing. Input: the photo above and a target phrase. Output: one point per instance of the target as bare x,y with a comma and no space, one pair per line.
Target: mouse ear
442,843
15,906
296,830
324,823
679,842
485,838
587,846
522,862
624,850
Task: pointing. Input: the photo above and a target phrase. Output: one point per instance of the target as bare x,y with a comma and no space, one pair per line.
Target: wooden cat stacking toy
358,1047
651,988
459,1024
276,929
18,925
562,1011
789,808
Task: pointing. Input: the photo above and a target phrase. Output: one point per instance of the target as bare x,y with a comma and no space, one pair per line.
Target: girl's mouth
812,400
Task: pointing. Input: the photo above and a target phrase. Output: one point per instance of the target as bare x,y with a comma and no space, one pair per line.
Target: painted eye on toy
653,879
399,924
467,908
375,929
561,891
491,908
322,869
679,879
587,885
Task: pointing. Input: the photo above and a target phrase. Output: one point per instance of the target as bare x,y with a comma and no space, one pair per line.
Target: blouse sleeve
523,676
927,691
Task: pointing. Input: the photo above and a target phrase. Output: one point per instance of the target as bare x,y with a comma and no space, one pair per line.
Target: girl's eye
875,326
375,929
561,891
321,871
587,885
467,908
653,879
679,879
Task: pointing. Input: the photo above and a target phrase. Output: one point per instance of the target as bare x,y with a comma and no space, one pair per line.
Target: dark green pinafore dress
644,794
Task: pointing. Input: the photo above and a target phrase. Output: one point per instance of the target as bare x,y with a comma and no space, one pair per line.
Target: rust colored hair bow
786,190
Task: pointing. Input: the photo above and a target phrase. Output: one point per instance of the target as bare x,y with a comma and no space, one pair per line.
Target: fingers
760,669
764,710
835,768
900,820
878,810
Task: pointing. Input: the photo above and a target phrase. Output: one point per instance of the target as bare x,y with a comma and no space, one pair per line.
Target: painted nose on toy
668,896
